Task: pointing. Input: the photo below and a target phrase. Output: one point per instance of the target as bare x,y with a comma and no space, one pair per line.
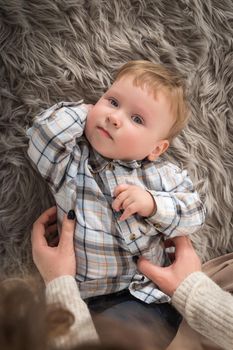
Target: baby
104,162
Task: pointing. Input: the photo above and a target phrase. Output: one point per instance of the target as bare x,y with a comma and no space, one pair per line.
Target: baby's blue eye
113,102
137,119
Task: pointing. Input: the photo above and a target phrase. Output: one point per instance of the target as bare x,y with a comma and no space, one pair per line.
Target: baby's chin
108,154
102,152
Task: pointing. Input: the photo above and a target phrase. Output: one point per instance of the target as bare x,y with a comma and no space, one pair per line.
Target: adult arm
52,138
63,290
178,208
57,267
206,307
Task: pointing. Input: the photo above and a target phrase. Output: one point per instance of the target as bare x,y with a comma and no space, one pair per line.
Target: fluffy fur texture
55,50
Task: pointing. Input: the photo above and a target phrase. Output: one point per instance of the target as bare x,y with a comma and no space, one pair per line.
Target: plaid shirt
83,180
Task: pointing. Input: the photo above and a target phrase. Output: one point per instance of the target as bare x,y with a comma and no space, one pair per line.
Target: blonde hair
157,77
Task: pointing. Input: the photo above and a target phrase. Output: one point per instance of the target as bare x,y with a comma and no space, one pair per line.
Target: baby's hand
133,199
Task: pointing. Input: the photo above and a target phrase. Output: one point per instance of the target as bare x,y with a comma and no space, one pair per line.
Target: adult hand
170,277
53,262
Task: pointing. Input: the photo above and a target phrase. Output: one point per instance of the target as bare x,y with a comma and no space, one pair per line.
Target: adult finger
38,229
67,231
47,215
182,245
51,229
152,271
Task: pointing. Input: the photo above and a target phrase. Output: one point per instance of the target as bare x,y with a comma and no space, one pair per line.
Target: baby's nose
115,119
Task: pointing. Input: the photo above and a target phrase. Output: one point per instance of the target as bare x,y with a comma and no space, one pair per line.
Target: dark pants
161,319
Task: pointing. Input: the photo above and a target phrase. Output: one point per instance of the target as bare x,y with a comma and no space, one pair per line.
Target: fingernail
135,259
71,215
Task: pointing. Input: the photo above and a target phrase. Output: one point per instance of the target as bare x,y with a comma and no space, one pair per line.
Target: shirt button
132,236
111,166
157,225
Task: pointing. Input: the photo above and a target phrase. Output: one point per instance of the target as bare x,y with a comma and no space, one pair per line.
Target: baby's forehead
119,84
119,89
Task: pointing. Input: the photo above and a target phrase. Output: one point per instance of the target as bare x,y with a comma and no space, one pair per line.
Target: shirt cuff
162,218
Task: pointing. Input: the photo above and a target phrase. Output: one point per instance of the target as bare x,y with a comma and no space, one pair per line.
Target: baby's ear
159,149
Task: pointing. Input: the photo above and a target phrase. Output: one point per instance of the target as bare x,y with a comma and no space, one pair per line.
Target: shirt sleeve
52,139
64,291
179,208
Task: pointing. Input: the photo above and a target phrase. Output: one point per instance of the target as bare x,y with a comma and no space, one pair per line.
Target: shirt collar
98,162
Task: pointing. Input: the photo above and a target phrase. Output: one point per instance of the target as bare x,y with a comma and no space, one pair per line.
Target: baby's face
129,123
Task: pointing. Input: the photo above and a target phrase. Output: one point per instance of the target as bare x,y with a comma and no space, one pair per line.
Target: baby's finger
117,203
130,210
126,203
120,188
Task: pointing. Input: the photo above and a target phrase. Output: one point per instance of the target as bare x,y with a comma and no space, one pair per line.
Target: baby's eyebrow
115,92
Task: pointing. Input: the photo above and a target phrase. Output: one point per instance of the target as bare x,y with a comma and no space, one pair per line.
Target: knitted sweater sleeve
207,308
64,291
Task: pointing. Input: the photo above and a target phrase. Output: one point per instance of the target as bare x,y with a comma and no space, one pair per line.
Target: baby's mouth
104,132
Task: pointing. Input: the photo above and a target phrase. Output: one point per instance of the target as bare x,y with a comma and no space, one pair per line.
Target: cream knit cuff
179,298
60,286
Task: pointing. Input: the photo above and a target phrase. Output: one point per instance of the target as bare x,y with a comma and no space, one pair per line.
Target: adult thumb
152,271
67,231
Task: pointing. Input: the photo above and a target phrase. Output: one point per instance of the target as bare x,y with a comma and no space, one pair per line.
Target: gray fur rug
53,50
